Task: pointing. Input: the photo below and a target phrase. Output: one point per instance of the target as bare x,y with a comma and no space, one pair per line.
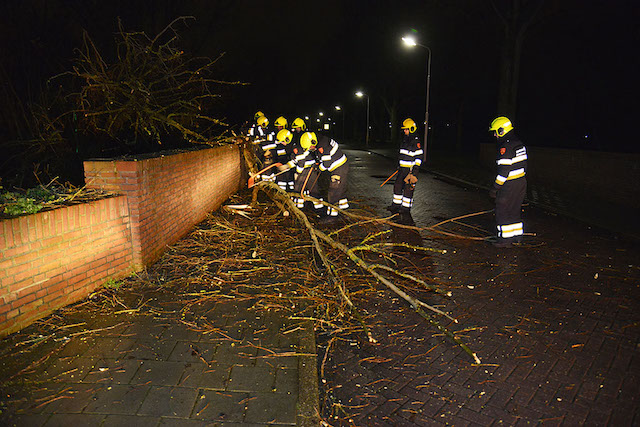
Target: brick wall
168,195
54,258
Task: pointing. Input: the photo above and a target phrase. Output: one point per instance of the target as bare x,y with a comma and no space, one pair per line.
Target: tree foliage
152,92
145,96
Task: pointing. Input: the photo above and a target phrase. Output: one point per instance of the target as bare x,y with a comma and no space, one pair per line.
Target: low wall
54,258
168,195
605,176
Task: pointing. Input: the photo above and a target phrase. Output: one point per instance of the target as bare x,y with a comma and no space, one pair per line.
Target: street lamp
360,94
339,108
411,42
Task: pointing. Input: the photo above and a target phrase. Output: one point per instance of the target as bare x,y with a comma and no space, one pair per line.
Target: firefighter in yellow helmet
510,186
322,153
266,145
280,123
258,129
298,127
409,161
251,130
285,179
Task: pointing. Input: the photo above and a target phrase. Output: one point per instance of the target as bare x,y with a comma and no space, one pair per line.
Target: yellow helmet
409,124
258,114
501,126
298,123
263,121
308,139
281,121
284,136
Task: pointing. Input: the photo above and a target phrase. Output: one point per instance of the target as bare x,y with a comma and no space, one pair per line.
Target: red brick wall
54,258
168,195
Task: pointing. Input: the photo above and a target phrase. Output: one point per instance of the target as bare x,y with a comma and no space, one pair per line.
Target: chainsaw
258,175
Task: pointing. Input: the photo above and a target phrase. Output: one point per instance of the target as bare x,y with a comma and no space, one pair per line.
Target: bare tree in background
516,17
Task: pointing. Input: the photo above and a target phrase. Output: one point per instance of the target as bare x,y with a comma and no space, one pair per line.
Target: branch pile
151,91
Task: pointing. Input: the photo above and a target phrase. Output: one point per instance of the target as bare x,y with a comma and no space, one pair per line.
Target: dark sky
579,66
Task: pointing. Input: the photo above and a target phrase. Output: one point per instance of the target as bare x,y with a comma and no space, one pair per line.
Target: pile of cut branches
153,90
45,197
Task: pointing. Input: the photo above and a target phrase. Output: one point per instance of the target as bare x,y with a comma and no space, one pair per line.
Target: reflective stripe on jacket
410,153
511,161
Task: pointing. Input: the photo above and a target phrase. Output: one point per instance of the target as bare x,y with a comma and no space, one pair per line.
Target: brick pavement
555,322
108,366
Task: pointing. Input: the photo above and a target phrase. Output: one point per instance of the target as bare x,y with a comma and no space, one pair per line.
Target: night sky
578,81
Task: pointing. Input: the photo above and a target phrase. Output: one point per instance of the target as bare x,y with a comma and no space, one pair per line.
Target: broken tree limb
283,199
413,301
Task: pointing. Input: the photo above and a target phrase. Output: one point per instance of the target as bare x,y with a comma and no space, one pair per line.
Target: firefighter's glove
283,168
492,193
410,179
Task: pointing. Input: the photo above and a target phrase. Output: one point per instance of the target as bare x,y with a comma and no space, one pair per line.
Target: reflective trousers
509,200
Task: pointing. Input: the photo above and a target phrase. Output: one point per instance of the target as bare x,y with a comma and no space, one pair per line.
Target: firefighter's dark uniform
334,161
266,151
284,152
306,181
510,188
328,157
409,161
256,132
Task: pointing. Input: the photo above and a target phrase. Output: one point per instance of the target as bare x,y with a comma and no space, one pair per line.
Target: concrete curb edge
308,391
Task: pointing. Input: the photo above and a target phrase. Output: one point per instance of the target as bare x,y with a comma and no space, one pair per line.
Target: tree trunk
516,17
509,73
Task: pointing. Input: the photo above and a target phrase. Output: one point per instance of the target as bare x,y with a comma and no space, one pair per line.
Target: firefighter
258,131
298,127
252,131
325,153
306,173
409,161
280,123
510,186
285,180
266,145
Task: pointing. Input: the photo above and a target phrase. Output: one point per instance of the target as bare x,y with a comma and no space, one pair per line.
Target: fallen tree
318,238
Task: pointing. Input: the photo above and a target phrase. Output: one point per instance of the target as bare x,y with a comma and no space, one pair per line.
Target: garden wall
168,195
54,258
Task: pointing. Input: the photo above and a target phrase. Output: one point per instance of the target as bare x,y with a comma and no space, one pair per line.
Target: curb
308,411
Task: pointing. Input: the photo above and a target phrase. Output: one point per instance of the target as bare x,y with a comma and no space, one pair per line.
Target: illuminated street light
410,41
360,94
339,108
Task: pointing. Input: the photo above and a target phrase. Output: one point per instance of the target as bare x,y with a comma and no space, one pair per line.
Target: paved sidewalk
102,366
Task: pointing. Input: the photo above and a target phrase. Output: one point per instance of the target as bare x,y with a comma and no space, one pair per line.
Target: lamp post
411,42
360,94
339,108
